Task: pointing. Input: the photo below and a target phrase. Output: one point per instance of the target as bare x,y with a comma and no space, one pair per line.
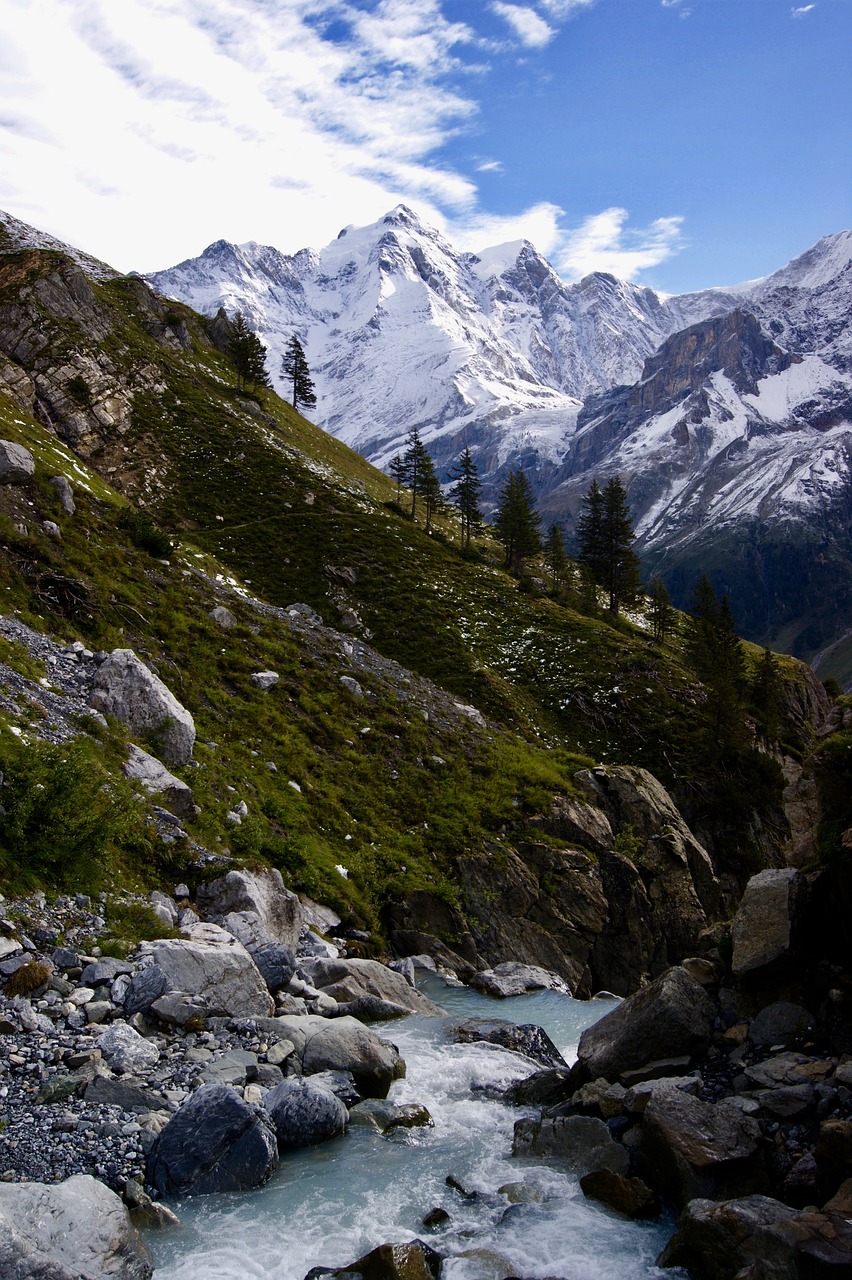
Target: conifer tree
465,495
591,547
415,463
605,542
662,613
518,524
248,354
766,685
430,489
294,366
554,550
717,655
397,472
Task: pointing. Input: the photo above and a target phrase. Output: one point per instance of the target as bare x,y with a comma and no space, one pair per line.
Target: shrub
146,535
27,979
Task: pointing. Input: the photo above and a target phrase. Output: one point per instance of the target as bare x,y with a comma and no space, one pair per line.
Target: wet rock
304,1113
343,1044
629,1196
583,1143
514,979
528,1039
545,1088
671,1017
385,1116
214,1142
78,1228
348,980
414,1261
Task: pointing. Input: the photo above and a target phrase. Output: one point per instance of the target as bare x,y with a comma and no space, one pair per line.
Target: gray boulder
153,776
65,494
223,617
348,980
304,1113
126,689
214,1142
254,906
525,1038
276,964
126,1051
763,928
146,986
68,1231
211,964
670,1018
343,1044
583,1143
780,1023
16,463
701,1149
514,979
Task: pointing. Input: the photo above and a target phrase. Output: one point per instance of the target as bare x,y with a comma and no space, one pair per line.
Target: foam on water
331,1204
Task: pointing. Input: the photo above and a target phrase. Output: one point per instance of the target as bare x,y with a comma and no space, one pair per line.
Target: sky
678,143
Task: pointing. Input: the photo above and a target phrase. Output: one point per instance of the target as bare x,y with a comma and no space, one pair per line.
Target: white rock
126,689
125,1050
214,965
16,463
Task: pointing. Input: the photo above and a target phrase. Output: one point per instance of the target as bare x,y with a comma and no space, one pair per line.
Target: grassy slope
287,508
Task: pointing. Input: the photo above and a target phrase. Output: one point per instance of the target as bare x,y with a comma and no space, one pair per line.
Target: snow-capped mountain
727,411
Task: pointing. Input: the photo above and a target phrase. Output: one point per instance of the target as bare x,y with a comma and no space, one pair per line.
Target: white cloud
801,10
605,243
528,26
489,166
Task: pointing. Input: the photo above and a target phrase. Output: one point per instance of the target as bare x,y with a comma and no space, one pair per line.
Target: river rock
75,1229
763,928
16,463
126,689
699,1149
515,979
379,1113
304,1113
671,1017
153,776
347,980
343,1044
212,964
584,1143
526,1038
254,906
414,1261
276,964
780,1023
146,986
630,1196
214,1142
126,1051
762,1238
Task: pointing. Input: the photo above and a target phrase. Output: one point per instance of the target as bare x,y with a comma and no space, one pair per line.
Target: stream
331,1204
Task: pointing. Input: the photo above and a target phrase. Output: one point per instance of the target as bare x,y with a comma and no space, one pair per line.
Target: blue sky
680,143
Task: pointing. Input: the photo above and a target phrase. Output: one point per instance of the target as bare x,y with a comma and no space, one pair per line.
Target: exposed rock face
348,980
155,778
629,1196
78,1228
214,1142
16,463
254,906
763,929
126,689
343,1044
211,964
672,1017
304,1113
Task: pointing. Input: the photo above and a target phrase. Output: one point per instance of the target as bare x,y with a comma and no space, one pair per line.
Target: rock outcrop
125,688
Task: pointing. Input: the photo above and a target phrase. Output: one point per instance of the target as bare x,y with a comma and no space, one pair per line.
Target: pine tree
605,542
465,495
717,655
554,550
397,472
430,489
766,686
415,461
248,354
591,547
518,524
662,613
294,366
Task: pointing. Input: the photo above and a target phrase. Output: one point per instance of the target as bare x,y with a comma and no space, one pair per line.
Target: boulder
583,1143
254,906
125,688
223,617
214,1142
153,776
414,1261
126,1051
515,979
763,928
304,1113
343,1044
525,1038
276,964
347,980
65,494
629,1196
700,1149
16,463
73,1229
211,964
762,1238
147,985
780,1023
378,1113
670,1018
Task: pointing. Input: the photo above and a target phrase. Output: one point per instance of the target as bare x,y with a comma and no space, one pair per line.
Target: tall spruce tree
661,611
717,656
554,550
465,495
248,354
517,522
397,472
591,546
294,366
605,542
766,689
415,465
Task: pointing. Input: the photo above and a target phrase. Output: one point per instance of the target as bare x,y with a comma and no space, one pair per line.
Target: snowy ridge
15,234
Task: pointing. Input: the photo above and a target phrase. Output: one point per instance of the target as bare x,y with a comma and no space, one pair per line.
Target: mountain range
727,412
